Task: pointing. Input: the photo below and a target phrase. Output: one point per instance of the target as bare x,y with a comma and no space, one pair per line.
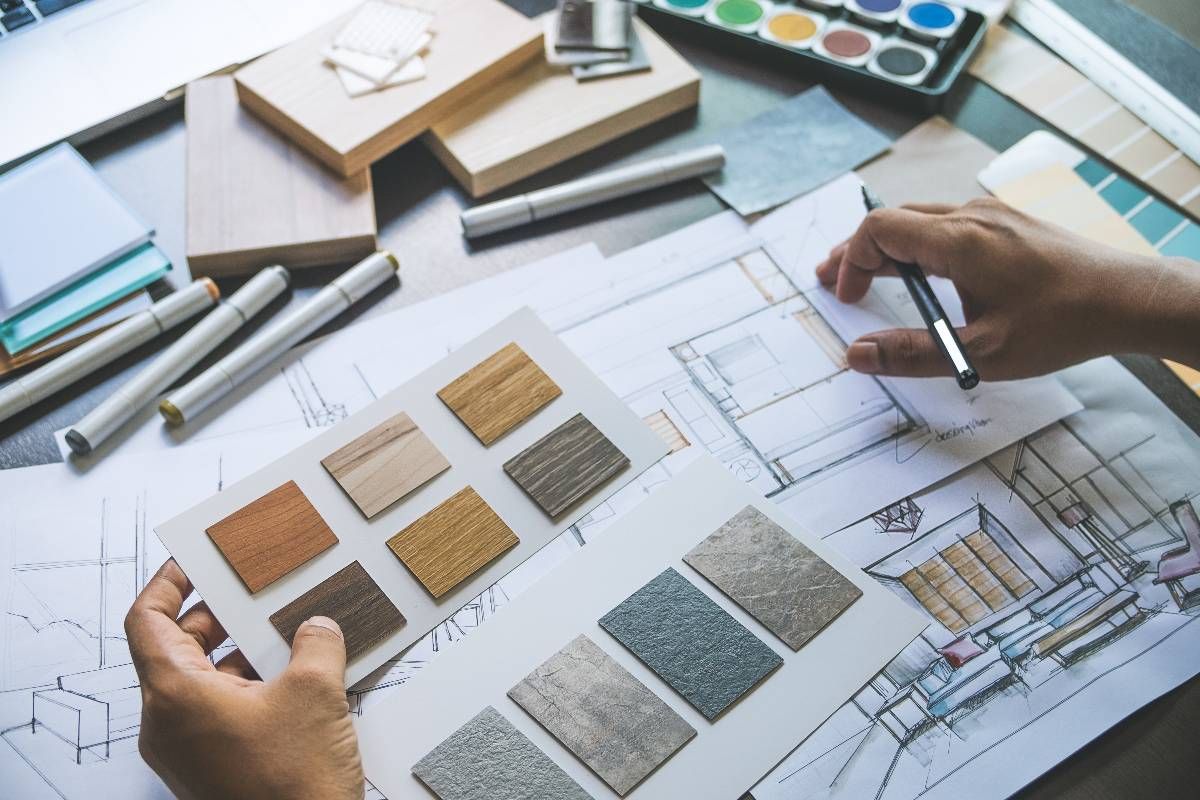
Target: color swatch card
627,672
392,520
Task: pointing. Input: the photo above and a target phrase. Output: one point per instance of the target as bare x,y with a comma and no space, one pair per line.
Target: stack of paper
380,47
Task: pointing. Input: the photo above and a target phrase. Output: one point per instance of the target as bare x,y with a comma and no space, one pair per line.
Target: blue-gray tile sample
692,643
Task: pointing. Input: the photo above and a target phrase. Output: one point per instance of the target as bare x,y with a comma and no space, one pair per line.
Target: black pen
931,311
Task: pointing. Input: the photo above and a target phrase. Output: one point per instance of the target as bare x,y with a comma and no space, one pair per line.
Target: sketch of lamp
1174,566
1079,517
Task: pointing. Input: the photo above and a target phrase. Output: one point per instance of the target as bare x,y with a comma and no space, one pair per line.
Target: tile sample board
566,465
476,43
246,616
499,393
727,756
767,571
254,198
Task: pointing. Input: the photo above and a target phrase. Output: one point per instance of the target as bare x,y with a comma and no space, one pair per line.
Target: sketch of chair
1182,563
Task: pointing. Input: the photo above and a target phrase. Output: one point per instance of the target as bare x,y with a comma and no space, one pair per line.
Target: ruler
1112,72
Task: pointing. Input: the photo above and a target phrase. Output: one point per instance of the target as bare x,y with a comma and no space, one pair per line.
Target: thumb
319,651
904,352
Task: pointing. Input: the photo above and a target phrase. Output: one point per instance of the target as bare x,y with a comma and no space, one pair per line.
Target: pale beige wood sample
499,393
254,198
475,44
385,463
541,116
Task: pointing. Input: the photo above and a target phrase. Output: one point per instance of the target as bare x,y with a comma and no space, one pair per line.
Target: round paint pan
847,44
902,61
793,28
691,8
875,12
931,20
738,15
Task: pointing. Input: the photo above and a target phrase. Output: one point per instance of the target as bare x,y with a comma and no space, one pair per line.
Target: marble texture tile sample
385,463
768,572
691,643
268,538
566,465
488,759
602,714
453,541
351,599
499,393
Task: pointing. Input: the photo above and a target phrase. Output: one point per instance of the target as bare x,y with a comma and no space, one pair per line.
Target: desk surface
1152,754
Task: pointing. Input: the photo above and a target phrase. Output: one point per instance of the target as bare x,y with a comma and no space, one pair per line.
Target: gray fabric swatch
691,643
489,759
791,149
602,714
779,581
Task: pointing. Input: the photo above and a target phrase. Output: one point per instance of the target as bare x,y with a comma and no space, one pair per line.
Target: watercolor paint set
906,51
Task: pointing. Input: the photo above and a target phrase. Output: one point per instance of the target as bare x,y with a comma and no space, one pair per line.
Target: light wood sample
453,541
268,538
565,465
475,44
541,116
499,393
385,463
351,599
254,198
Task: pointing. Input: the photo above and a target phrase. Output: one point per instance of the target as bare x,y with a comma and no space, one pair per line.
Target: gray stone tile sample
691,642
768,572
602,714
488,759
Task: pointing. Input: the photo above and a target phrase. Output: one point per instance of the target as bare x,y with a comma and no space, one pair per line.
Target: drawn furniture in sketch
948,688
906,714
90,710
1182,564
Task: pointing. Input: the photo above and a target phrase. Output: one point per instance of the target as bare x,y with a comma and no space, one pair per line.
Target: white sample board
246,616
727,756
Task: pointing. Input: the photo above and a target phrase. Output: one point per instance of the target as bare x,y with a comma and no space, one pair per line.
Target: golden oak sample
452,542
385,463
268,538
499,393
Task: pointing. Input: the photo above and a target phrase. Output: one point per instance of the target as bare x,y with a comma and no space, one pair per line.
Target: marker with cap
218,380
107,347
931,311
202,339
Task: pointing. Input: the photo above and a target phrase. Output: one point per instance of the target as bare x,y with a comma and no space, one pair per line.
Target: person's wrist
1156,311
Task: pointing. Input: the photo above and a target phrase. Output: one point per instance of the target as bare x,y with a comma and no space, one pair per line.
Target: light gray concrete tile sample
602,714
691,642
488,759
768,572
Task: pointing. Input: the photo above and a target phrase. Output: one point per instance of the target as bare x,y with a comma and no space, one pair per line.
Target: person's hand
1036,298
218,732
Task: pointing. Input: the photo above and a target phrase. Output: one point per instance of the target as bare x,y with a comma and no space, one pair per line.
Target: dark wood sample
499,393
562,467
268,538
351,599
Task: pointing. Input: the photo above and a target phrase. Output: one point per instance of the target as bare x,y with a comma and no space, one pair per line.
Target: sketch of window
317,411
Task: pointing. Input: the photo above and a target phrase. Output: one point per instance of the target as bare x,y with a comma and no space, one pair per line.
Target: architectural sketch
900,517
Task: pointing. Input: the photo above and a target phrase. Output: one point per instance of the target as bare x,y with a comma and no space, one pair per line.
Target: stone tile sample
268,538
351,599
691,643
566,465
385,463
768,572
489,759
602,714
452,542
499,393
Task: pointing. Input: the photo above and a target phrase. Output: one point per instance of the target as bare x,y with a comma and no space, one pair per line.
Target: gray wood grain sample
351,599
566,465
779,581
488,759
603,714
691,643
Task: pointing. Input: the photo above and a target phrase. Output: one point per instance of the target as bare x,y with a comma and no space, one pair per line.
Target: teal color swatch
1122,195
1155,221
1186,243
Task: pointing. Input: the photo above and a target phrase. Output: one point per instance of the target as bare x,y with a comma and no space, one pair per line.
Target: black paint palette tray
909,52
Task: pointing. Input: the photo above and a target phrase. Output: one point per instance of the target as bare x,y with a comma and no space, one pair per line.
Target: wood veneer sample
452,542
385,463
254,198
268,538
540,116
476,43
499,393
351,599
566,464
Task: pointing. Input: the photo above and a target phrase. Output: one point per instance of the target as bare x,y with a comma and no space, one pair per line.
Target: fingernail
324,622
864,357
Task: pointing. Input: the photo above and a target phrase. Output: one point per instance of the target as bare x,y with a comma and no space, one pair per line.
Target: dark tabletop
1152,754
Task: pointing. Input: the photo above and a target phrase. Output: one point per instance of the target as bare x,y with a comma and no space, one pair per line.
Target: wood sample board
541,116
476,43
255,199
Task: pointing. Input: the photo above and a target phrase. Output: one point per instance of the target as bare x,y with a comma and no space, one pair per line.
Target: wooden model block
254,198
499,393
566,465
475,44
